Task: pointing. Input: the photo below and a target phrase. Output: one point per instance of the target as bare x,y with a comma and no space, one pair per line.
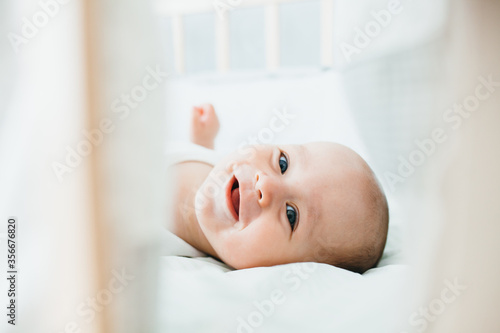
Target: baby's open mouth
235,197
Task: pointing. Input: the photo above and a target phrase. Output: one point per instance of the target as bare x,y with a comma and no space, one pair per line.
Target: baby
267,205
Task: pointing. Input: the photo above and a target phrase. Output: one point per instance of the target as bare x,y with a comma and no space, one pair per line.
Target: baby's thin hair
368,254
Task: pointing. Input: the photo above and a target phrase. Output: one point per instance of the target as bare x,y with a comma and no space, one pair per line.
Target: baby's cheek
237,254
264,237
237,248
260,243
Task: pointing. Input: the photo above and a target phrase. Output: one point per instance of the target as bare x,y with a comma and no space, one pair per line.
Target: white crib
178,9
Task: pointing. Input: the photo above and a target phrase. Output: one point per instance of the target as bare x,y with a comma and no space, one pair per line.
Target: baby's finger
210,112
208,108
197,114
197,110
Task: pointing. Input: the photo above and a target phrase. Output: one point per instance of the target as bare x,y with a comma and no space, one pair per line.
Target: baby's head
267,205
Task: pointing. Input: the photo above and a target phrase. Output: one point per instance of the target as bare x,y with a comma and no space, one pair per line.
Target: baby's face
268,205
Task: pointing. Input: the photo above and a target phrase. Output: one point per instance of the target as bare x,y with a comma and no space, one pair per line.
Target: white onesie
178,152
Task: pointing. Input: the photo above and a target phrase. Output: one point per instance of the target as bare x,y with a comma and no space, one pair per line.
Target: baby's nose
268,188
259,192
249,195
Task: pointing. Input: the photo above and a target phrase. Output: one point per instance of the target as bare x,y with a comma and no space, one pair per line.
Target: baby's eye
283,163
291,214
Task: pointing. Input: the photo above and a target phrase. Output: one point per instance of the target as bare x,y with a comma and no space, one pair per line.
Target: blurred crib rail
178,9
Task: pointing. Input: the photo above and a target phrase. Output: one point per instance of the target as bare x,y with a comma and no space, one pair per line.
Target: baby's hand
204,125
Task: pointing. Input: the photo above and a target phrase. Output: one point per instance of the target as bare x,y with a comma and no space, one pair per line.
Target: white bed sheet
198,295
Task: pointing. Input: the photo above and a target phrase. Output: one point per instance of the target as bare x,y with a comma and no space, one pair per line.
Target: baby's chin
243,261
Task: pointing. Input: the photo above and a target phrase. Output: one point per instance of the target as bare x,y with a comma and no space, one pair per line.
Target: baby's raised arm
204,125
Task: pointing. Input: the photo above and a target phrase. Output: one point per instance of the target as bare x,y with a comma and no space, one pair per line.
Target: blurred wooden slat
92,31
